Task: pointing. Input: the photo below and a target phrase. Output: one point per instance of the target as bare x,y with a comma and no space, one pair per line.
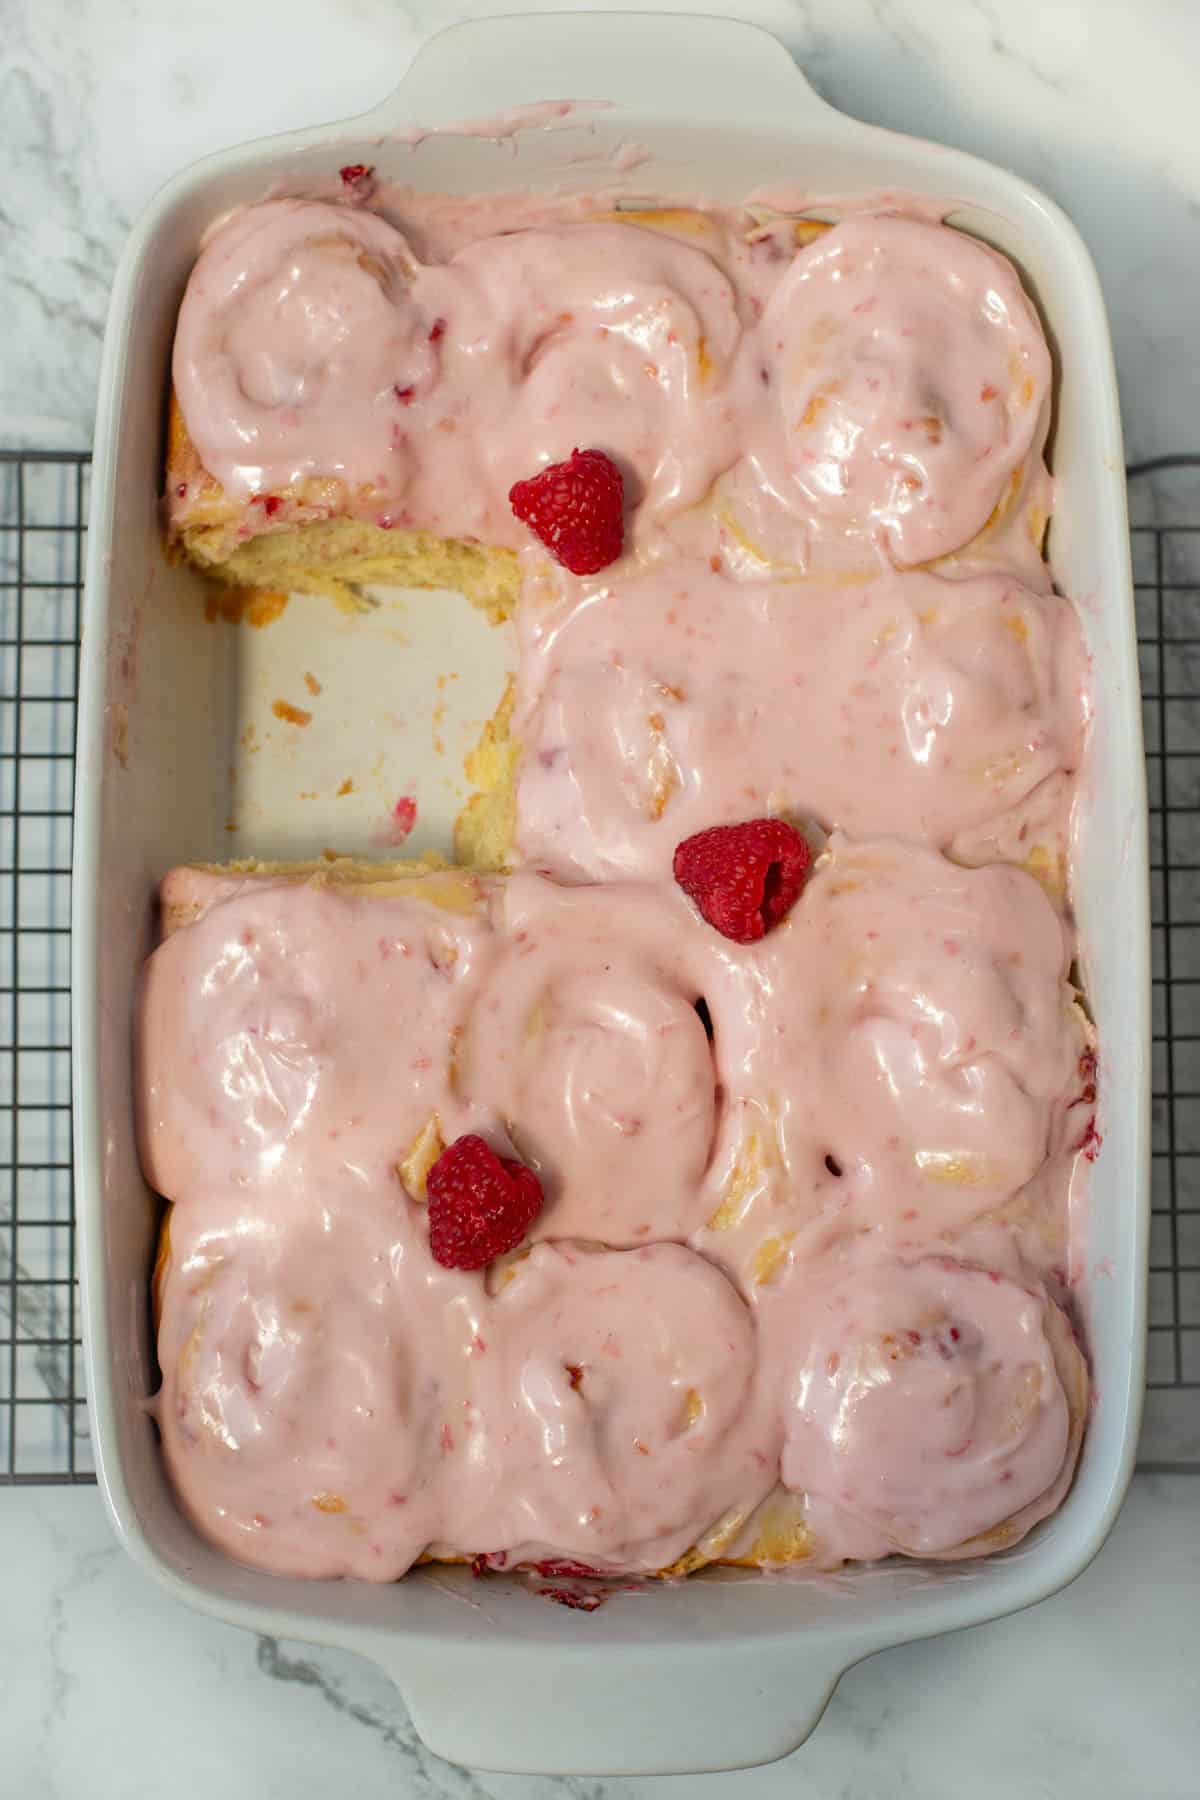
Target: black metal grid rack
1166,570
43,1407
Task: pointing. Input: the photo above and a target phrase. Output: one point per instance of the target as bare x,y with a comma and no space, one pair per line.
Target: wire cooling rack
1166,573
43,1407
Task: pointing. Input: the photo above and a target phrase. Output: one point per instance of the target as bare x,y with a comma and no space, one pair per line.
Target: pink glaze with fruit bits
918,1394
800,1285
312,341
902,380
654,706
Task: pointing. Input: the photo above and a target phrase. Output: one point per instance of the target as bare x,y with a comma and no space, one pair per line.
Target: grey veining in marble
108,1689
103,99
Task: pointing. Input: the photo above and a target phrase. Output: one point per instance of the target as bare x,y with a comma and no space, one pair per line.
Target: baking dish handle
616,1710
668,65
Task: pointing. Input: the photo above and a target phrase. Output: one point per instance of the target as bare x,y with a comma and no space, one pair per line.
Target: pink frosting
315,1362
649,708
948,1042
801,1247
589,1047
268,1029
334,1402
311,342
903,380
621,1406
603,336
868,398
925,1403
296,329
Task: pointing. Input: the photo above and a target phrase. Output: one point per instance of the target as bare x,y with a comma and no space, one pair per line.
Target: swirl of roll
928,1041
300,341
268,1028
604,336
586,1042
939,1404
312,1371
900,379
618,1402
660,704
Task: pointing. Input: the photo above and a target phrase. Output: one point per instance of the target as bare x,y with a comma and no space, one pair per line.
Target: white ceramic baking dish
723,1670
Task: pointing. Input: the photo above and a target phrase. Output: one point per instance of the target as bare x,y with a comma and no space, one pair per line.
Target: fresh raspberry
744,878
480,1204
577,509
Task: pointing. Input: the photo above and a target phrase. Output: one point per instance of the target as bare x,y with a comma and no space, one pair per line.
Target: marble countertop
107,1688
103,100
